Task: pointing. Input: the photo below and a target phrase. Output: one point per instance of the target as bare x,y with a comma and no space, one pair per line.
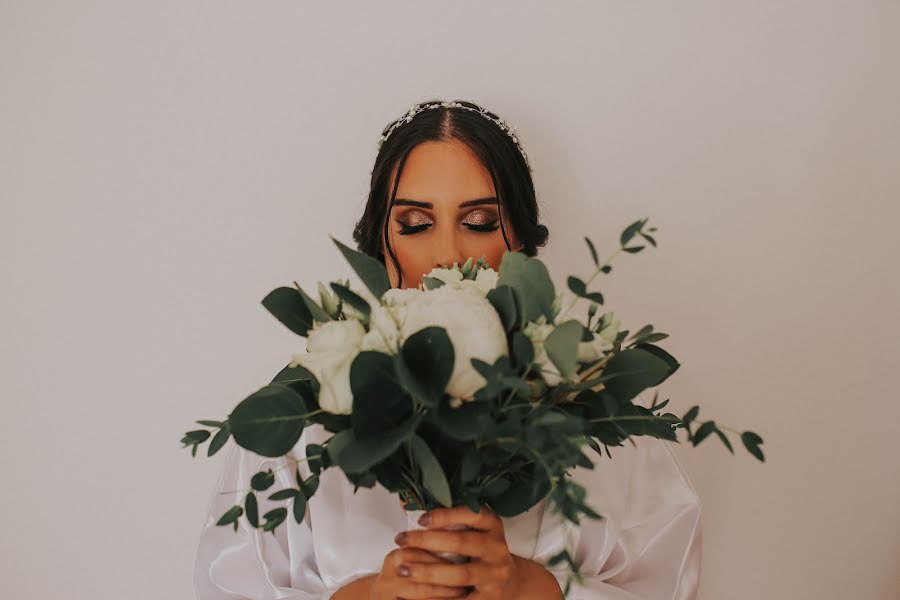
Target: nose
447,251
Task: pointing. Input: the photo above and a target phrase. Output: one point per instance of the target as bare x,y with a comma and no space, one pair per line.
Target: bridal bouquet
479,387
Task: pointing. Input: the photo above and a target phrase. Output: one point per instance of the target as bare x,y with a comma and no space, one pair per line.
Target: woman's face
445,211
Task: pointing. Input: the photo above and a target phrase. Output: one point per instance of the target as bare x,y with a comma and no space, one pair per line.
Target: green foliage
287,305
562,346
531,282
370,271
515,443
269,421
424,365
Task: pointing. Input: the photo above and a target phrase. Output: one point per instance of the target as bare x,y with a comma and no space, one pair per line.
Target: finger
476,544
437,518
475,573
414,590
401,556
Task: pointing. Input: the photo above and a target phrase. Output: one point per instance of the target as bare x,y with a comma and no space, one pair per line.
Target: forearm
359,589
534,582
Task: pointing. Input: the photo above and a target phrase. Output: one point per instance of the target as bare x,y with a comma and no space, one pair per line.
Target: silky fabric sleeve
252,564
648,546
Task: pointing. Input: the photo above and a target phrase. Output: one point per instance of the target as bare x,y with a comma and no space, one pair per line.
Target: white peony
603,341
331,348
474,328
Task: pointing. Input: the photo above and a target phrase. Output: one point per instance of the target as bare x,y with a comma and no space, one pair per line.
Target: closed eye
484,227
406,229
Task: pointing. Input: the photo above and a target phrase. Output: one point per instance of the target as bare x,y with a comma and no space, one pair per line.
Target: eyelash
411,229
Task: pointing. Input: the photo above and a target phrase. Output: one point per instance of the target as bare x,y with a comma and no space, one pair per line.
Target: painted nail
425,519
401,538
403,571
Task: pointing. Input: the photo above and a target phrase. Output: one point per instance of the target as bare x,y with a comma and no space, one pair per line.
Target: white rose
331,348
474,328
603,341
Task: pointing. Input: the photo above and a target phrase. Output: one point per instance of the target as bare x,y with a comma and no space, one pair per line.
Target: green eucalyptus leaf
751,442
379,401
724,439
353,299
285,494
433,476
593,250
273,518
630,231
522,349
562,346
577,286
270,421
355,455
262,480
530,279
631,371
464,423
432,283
251,507
504,300
197,436
299,508
231,516
369,269
219,440
315,311
286,304
703,432
425,363
690,415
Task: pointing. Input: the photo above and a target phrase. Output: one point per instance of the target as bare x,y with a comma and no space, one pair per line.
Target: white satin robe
647,547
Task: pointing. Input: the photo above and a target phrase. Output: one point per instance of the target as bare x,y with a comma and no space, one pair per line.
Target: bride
451,181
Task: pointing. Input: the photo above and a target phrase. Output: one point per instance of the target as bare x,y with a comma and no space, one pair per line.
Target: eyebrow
420,204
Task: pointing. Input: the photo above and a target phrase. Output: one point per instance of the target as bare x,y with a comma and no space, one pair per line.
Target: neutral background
165,164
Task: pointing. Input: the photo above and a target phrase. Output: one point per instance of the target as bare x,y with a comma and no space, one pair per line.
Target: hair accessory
417,108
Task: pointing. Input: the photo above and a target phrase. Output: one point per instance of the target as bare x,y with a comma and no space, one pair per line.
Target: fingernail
403,571
400,539
425,519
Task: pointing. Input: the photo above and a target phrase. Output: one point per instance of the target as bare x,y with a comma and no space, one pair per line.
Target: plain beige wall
165,164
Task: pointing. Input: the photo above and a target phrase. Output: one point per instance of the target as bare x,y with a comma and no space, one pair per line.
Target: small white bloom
537,332
450,277
486,279
603,341
328,299
331,348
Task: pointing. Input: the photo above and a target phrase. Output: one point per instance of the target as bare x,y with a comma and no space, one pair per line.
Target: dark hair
492,146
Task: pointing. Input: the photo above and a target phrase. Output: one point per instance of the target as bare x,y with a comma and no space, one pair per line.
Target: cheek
413,262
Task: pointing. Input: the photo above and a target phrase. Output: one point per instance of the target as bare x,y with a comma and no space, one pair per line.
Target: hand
388,585
492,572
